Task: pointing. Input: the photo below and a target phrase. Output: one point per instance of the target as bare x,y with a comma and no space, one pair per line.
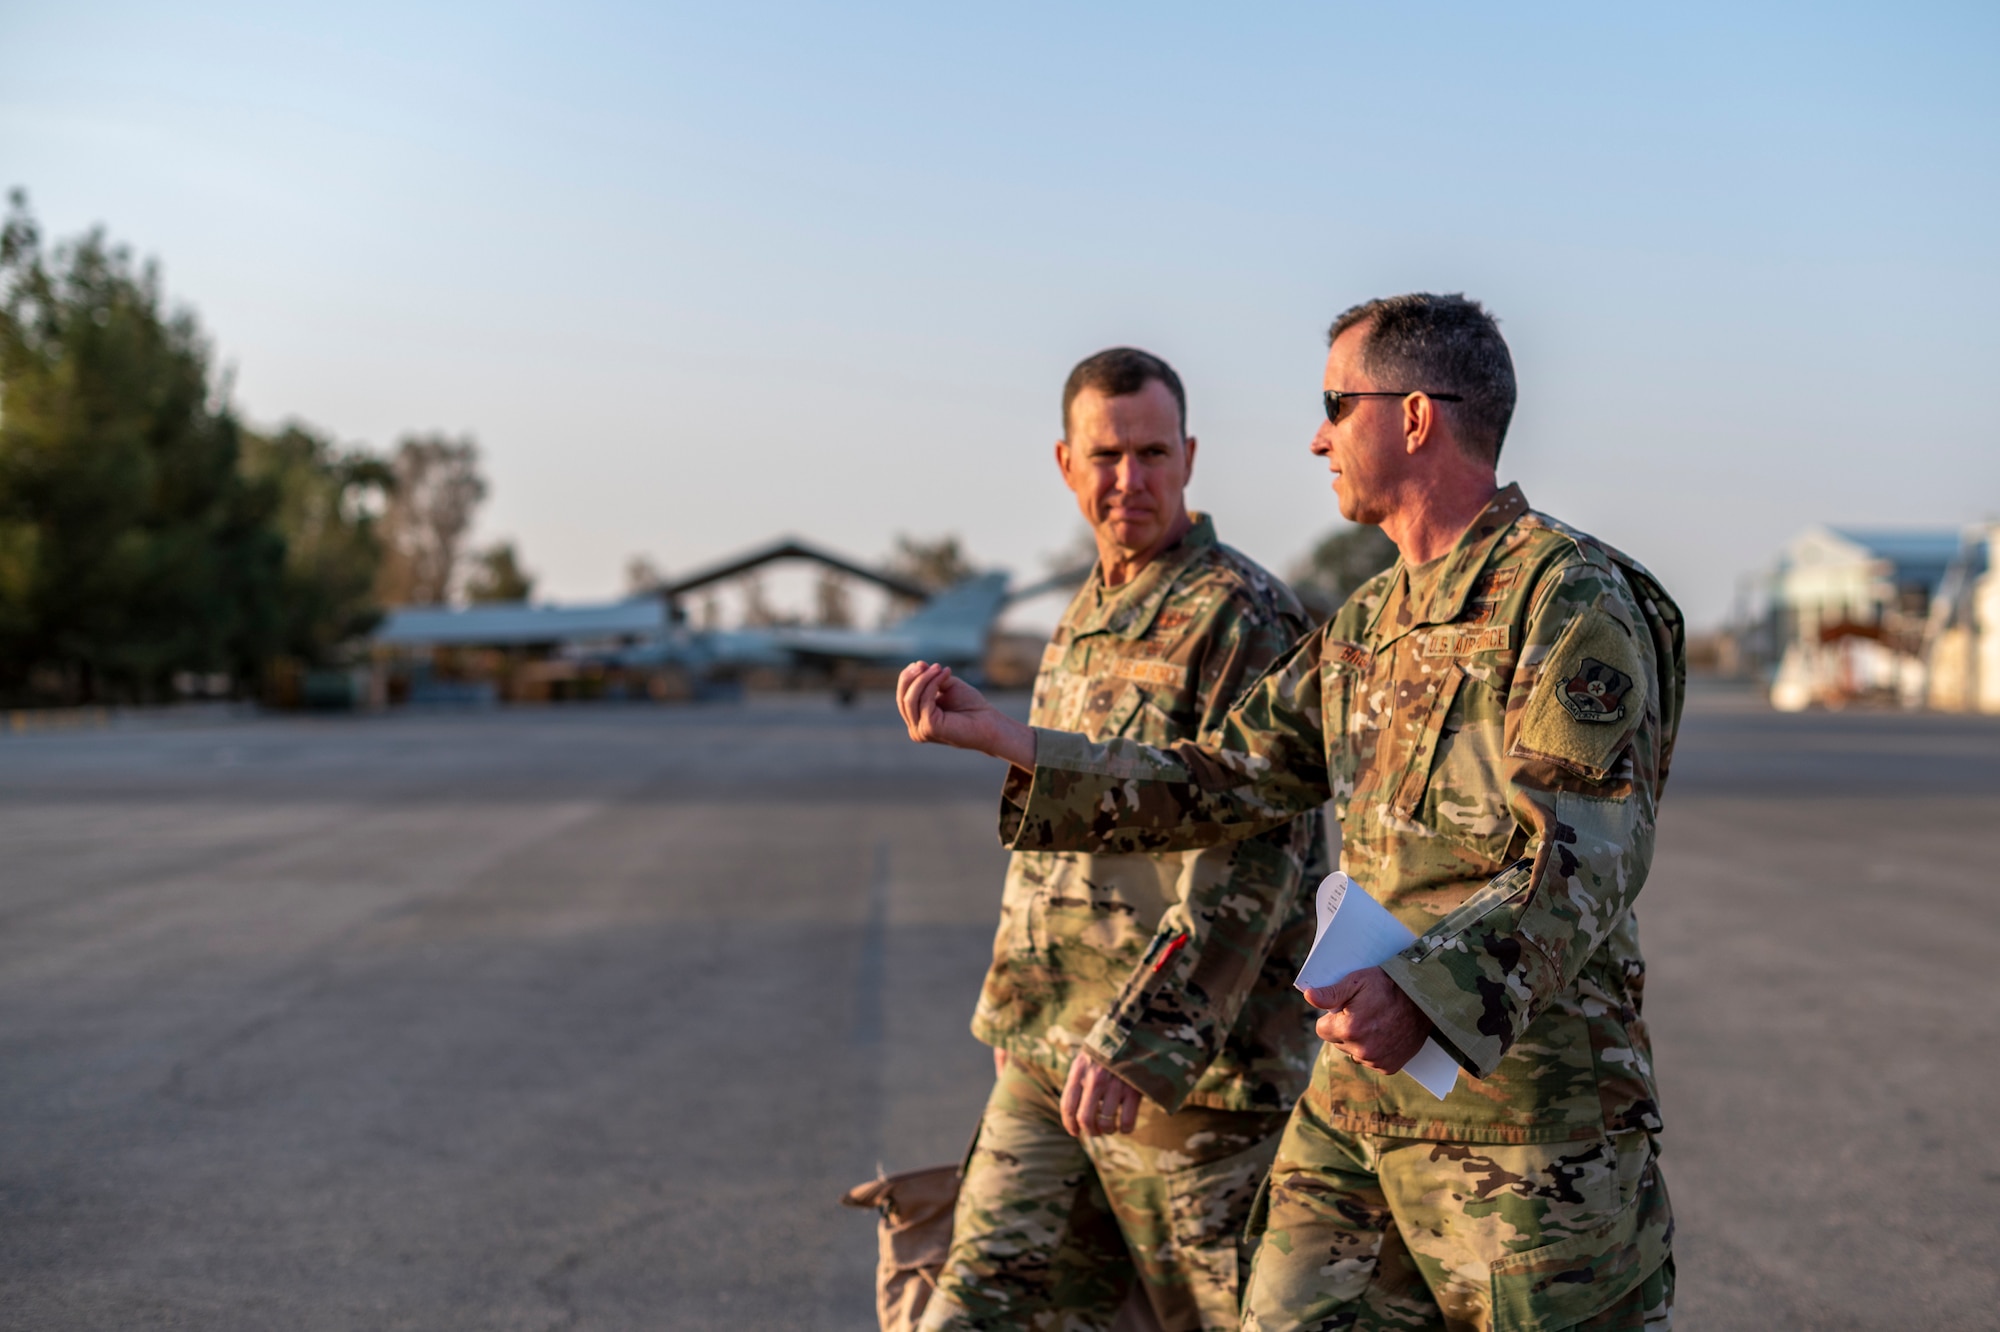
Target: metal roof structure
792,548
1918,557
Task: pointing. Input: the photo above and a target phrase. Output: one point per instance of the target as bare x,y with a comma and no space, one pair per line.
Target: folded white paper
1356,931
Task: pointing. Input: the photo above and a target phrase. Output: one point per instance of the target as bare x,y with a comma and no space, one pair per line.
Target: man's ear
1189,441
1062,463
1419,421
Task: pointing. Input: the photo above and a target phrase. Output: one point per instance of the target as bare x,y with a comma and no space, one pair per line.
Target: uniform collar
1463,564
1128,609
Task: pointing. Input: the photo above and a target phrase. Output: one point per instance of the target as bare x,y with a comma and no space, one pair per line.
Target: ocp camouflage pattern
1172,967
1052,1229
1510,830
1368,1231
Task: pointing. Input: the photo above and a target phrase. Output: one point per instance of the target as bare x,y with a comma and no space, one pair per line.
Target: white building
1854,614
1963,637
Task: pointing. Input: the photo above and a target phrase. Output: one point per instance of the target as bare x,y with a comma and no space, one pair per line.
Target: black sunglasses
1333,397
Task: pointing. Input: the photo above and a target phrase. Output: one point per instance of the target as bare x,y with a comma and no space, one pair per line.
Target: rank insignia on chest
1596,693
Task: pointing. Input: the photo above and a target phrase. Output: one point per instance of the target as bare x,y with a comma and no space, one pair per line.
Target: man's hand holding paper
1369,1018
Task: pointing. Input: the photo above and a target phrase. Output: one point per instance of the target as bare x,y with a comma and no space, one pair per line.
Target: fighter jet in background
650,632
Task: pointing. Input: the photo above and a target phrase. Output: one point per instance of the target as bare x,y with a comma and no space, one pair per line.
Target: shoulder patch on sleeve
1590,696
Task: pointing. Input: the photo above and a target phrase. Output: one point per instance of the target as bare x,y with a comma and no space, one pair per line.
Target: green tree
325,505
437,492
497,575
935,565
832,600
642,577
131,544
1343,560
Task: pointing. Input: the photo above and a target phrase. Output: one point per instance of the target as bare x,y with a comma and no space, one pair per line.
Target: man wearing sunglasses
1493,718
1147,1041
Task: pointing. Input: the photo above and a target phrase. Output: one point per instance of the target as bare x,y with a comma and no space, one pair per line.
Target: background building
1963,632
1852,606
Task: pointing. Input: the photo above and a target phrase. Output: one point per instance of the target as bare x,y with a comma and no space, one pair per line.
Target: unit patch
1588,696
1596,693
1159,674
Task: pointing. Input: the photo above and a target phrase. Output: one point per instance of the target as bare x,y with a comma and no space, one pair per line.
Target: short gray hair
1440,344
1117,371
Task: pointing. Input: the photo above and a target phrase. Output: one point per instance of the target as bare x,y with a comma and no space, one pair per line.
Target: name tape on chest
1160,674
1463,640
1351,655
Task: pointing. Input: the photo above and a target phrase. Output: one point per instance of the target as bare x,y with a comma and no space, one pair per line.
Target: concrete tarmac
583,1018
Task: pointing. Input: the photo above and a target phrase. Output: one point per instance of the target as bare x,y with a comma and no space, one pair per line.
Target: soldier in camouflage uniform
1493,719
1151,990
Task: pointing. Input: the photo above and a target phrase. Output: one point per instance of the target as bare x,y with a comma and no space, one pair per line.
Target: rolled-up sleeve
1263,766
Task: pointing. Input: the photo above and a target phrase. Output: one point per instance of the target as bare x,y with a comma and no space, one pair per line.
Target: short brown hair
1118,371
1440,344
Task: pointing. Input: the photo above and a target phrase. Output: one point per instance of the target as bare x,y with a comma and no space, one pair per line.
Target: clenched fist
941,709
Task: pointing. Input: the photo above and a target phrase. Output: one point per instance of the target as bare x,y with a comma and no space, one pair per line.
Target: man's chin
1135,536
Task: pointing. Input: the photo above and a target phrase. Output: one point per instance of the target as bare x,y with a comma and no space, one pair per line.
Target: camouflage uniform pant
1360,1233
1050,1229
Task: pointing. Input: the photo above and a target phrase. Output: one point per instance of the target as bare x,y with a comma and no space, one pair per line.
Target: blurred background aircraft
647,646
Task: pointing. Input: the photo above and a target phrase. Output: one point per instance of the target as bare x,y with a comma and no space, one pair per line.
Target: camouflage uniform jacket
1172,969
1495,754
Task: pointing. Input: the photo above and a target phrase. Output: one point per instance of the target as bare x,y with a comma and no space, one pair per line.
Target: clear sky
695,275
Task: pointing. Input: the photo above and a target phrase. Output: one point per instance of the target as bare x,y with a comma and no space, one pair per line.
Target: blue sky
698,275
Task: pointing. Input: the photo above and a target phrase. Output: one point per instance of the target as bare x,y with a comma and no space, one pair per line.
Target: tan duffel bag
913,1237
